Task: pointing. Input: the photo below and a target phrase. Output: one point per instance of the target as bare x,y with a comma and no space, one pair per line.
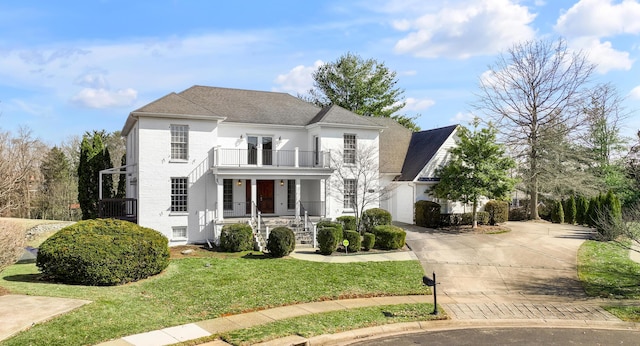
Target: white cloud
600,18
602,54
635,93
462,118
467,28
418,104
298,80
103,98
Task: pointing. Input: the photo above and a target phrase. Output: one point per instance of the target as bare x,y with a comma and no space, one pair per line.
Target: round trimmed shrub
332,224
281,242
498,211
355,242
368,241
103,252
389,237
347,221
327,240
236,237
374,217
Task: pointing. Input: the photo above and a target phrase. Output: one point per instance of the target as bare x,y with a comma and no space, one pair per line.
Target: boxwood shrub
236,237
331,224
483,218
427,214
103,252
348,222
374,217
368,241
498,211
281,242
389,237
327,240
355,241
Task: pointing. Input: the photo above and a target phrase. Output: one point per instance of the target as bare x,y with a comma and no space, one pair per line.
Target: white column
297,198
296,157
219,199
323,195
254,197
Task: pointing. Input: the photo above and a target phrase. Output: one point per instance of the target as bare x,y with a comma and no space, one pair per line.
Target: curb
388,330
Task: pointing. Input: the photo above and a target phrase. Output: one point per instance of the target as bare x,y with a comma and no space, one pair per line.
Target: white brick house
206,155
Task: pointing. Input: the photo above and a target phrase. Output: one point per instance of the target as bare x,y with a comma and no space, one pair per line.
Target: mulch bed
481,229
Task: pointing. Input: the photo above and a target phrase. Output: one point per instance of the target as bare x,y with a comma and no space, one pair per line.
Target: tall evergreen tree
55,197
477,168
121,191
571,211
94,157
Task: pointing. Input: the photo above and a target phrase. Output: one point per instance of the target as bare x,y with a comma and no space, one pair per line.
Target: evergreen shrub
374,217
327,240
281,242
427,214
389,237
347,221
557,213
236,237
355,241
103,252
582,209
498,211
368,241
467,218
332,224
571,211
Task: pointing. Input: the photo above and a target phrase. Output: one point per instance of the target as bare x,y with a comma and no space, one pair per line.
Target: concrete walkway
20,312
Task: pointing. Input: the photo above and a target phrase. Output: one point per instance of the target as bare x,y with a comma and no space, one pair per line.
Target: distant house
207,156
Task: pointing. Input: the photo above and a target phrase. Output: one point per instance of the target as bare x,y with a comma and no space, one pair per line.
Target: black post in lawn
432,283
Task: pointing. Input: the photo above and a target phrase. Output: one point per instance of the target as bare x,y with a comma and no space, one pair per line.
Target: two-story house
206,155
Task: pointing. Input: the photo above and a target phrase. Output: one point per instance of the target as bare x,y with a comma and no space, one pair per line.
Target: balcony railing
223,157
119,208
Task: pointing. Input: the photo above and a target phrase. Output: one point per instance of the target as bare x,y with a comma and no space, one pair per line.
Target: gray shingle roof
394,143
337,115
174,104
423,146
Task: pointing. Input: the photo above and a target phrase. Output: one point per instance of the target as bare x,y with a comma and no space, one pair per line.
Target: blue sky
74,66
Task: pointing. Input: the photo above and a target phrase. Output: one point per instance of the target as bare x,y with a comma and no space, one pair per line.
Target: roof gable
394,143
423,146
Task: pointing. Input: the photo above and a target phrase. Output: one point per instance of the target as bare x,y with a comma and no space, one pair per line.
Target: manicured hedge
103,252
368,241
389,237
519,214
355,241
482,217
348,222
332,224
498,211
236,237
374,217
327,240
281,242
427,214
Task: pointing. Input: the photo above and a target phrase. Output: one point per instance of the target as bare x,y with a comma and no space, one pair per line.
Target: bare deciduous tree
531,88
19,171
12,239
357,180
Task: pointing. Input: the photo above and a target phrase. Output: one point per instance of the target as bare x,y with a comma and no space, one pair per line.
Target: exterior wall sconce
239,182
241,136
281,182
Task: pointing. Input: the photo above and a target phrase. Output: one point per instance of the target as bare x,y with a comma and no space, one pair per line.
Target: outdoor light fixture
241,136
281,182
239,182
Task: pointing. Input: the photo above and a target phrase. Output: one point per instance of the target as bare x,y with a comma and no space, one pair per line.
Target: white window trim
178,212
171,158
179,228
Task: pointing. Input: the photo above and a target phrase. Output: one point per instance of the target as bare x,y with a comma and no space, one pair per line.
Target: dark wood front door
265,196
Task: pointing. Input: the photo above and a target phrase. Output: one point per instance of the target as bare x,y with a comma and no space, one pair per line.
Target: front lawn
606,270
193,289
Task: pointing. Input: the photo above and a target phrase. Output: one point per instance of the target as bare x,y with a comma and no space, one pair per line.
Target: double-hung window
227,194
179,142
349,193
179,188
349,152
291,194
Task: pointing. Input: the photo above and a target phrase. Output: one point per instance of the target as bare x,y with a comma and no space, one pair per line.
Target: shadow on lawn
618,282
33,278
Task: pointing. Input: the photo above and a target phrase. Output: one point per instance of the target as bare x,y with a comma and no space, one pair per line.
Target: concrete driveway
535,258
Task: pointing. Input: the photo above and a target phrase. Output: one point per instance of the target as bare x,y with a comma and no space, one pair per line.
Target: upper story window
349,152
349,197
179,142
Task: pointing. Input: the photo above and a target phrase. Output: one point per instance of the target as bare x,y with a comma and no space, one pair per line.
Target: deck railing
223,157
119,208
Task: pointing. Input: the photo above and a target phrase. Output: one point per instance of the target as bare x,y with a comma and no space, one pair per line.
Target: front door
265,196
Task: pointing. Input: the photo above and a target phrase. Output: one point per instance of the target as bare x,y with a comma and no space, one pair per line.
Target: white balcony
223,157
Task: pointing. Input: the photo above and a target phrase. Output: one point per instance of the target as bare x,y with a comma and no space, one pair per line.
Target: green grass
328,323
194,289
625,313
606,270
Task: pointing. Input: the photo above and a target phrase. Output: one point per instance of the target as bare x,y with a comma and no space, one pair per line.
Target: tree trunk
475,214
